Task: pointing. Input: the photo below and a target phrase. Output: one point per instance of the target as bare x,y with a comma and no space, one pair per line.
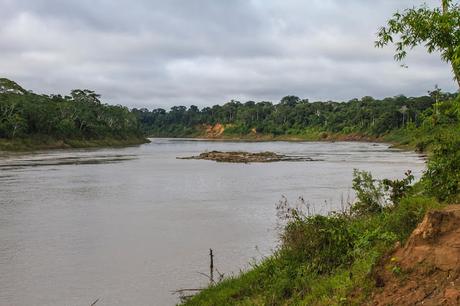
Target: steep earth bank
426,269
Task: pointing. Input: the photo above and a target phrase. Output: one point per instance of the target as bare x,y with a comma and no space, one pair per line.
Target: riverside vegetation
342,258
31,121
297,119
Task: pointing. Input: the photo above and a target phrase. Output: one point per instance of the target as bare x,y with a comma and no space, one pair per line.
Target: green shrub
403,218
237,130
323,242
398,188
442,178
369,194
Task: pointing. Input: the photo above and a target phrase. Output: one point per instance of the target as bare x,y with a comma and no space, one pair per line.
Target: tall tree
437,29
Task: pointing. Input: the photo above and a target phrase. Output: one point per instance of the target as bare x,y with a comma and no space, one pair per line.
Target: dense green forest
79,119
29,120
295,116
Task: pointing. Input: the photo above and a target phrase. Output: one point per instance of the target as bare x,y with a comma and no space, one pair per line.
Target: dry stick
211,267
221,275
210,276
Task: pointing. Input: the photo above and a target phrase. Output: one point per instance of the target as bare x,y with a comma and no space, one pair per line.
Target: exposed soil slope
213,131
426,270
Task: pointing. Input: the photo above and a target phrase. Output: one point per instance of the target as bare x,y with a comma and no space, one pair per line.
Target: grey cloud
204,52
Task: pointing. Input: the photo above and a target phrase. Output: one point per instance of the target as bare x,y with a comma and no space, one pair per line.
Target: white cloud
204,52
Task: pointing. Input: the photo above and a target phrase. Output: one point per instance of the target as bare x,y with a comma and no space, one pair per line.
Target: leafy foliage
322,242
437,29
79,116
369,194
294,116
442,178
372,196
399,188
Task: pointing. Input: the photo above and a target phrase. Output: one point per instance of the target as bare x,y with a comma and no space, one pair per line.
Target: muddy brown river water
128,226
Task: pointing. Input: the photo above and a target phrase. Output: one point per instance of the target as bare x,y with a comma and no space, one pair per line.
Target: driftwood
187,293
247,157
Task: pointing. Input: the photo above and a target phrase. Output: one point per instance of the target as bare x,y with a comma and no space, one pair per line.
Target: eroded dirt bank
426,270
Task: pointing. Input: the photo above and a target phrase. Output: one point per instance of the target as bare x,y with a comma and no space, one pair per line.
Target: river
129,225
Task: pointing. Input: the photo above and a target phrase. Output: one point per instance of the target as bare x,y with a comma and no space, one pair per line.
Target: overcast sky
156,53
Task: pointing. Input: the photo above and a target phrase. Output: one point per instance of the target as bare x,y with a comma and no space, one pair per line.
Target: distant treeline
294,116
81,115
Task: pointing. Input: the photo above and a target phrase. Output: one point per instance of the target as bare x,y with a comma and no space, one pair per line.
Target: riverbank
220,132
421,266
49,143
297,137
419,139
324,260
425,270
406,143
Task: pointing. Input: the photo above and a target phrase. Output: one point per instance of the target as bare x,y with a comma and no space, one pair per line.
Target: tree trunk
445,5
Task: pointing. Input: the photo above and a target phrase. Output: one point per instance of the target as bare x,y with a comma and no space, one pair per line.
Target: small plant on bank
399,188
322,242
372,195
369,194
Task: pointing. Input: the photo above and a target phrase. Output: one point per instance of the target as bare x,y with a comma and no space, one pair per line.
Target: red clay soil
214,131
426,270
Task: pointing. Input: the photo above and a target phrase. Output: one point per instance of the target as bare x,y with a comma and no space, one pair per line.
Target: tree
403,110
437,29
435,94
290,100
85,95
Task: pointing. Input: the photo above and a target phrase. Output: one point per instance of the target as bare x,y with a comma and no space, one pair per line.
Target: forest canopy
295,116
80,115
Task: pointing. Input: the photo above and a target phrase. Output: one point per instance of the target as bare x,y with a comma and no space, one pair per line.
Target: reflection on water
53,160
130,225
